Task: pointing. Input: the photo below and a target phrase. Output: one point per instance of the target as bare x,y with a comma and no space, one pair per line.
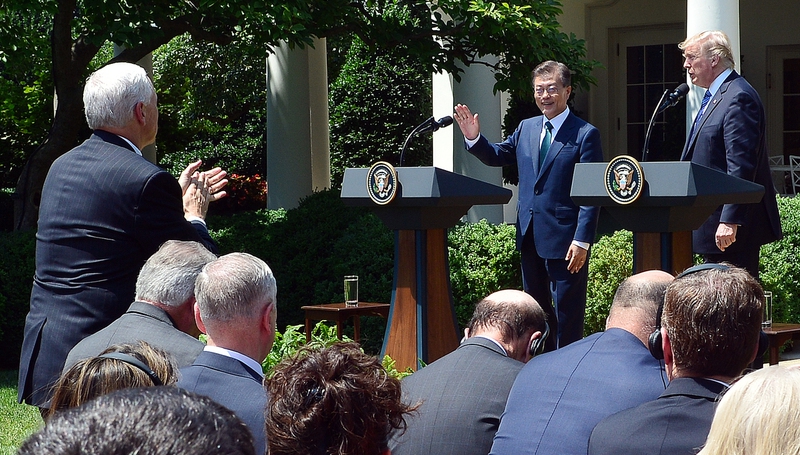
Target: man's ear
198,319
666,345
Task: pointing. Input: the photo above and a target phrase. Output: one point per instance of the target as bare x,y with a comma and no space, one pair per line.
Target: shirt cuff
583,245
472,142
191,218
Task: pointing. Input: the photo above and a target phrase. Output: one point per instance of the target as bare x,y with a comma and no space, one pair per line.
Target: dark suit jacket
143,322
731,138
462,395
676,423
232,384
544,194
104,211
559,397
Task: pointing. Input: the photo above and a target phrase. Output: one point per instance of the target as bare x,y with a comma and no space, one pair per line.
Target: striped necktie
706,97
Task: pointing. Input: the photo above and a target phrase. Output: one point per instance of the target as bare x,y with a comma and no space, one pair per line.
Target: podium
678,196
422,322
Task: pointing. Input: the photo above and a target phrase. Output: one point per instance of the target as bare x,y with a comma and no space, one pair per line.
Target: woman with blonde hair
758,415
119,366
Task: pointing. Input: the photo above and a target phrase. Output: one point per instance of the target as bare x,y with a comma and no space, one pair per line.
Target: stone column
298,144
704,15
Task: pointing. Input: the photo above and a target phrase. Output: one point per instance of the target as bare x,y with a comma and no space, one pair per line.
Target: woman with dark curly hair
335,400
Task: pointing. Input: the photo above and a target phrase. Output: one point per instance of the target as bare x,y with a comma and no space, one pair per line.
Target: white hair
112,92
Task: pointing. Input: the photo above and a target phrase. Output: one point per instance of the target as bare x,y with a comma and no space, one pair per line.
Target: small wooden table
339,312
778,334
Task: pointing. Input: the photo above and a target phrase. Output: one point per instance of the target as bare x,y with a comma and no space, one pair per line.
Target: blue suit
731,138
547,219
104,211
559,397
232,384
677,423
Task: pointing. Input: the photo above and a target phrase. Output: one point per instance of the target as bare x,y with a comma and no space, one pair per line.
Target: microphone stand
413,133
646,147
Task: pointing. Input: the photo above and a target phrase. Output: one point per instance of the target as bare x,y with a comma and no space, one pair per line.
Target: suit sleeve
591,152
502,154
743,123
159,215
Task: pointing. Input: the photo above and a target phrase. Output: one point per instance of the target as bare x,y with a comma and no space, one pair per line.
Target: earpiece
537,345
654,340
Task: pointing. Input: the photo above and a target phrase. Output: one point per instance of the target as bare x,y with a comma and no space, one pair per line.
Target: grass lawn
17,421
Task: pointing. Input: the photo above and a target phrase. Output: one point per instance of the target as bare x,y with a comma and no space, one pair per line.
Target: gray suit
463,395
143,322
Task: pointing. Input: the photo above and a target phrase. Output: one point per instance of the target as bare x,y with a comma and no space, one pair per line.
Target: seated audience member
163,313
462,394
559,397
236,308
758,415
709,334
335,400
118,367
145,421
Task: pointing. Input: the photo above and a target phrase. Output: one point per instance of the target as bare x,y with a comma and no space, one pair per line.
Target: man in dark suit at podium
553,234
729,135
104,210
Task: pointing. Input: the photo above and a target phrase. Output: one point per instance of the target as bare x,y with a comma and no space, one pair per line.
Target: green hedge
312,247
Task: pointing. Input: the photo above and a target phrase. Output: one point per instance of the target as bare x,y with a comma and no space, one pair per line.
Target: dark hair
713,319
513,313
95,376
551,68
332,400
151,420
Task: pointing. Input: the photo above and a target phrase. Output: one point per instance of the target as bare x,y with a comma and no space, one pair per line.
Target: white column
702,15
474,90
298,146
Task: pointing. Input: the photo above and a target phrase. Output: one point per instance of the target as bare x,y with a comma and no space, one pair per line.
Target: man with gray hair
104,210
463,393
236,308
163,312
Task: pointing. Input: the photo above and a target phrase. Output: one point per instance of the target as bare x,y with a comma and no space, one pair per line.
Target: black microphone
427,126
432,125
674,97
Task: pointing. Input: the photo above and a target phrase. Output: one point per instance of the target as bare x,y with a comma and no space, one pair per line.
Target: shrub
610,263
16,279
483,259
779,268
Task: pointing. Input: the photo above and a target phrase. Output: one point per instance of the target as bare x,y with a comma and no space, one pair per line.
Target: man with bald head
463,393
560,396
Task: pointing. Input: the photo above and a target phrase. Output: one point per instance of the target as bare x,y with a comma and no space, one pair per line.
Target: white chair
776,160
794,172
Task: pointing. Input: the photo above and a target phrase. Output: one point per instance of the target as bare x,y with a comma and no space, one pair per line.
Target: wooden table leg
357,328
338,327
308,331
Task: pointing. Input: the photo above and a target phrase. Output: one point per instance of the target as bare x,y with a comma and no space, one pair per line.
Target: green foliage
483,259
17,421
311,248
378,97
610,263
294,337
212,104
16,279
779,268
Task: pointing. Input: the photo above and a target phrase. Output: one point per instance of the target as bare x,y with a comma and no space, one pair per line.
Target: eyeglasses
551,90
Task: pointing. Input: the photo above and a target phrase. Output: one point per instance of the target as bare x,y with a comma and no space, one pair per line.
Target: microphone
673,98
432,125
429,125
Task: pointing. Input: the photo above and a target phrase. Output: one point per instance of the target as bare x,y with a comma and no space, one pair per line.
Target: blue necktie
706,97
548,138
